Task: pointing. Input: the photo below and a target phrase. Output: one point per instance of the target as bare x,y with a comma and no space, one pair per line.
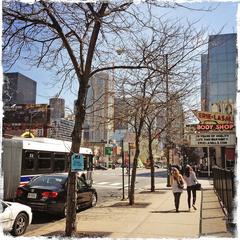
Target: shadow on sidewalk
171,211
126,204
156,192
78,234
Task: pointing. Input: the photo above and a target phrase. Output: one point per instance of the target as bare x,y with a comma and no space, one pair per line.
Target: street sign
208,127
77,163
213,117
108,151
212,139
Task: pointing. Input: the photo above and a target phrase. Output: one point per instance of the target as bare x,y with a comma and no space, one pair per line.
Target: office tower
18,89
219,73
61,129
57,106
100,108
219,87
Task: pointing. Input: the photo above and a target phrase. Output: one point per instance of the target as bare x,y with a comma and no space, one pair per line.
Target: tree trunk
71,227
134,171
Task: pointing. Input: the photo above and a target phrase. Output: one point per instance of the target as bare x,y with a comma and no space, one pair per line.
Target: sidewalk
152,216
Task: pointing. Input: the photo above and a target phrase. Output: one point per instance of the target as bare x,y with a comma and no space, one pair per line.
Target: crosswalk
108,185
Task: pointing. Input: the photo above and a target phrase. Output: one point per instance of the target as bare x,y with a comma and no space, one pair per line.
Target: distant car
15,217
48,193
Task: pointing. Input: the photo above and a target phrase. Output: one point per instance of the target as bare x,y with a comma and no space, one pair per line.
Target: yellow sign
213,117
27,135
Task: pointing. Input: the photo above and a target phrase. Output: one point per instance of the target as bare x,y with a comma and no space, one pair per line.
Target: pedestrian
177,186
191,181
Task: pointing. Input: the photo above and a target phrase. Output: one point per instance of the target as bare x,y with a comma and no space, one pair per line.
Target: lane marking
115,184
102,183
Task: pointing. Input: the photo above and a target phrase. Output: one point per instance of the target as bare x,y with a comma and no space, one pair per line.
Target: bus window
44,160
28,160
59,162
29,163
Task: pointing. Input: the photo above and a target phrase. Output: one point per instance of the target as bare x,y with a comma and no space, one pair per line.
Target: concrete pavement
152,216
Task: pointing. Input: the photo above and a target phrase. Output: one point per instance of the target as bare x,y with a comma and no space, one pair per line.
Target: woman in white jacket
191,180
177,186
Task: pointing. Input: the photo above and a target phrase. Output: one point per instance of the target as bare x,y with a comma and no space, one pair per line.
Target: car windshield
48,181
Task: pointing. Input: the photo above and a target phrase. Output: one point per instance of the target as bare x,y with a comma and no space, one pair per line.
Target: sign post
123,193
77,163
208,162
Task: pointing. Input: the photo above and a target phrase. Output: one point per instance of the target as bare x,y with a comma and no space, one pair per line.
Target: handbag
198,186
180,184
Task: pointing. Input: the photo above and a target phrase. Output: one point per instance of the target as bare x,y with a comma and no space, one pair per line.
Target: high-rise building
100,108
61,129
219,86
120,109
57,106
219,72
18,89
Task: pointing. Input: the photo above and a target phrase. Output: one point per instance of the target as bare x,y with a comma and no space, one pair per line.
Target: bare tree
143,90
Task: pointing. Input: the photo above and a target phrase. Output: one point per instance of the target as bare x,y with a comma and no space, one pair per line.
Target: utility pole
129,168
167,118
123,193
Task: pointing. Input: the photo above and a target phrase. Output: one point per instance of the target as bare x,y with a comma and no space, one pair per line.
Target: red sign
213,118
215,127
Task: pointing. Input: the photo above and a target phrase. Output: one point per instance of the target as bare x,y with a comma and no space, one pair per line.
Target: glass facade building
219,87
219,71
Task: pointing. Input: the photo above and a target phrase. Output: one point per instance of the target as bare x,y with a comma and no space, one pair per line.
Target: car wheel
94,199
63,214
20,224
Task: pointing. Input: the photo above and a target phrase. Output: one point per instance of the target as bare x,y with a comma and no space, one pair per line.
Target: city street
108,184
89,87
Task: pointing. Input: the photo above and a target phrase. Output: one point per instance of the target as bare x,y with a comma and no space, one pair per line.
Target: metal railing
224,184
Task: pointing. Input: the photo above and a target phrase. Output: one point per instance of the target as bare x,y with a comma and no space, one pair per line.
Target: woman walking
177,187
191,180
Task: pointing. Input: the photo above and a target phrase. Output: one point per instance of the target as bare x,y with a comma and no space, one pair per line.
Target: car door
5,216
83,193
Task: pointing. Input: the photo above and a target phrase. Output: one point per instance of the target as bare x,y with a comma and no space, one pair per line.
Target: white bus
24,158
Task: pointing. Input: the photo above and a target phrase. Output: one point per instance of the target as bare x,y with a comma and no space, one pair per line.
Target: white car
14,217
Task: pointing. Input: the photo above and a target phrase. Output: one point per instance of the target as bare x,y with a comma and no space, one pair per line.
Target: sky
223,17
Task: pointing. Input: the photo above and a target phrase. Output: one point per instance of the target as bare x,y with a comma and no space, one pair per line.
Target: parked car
48,193
15,217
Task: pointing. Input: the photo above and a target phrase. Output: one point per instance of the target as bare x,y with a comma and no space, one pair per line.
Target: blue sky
224,16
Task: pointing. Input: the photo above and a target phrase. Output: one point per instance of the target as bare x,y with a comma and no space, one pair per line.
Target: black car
48,193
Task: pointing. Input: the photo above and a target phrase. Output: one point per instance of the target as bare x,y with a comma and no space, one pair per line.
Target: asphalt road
109,184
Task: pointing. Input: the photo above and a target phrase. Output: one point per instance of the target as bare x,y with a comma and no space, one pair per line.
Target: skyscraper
57,106
219,86
18,89
100,108
219,73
